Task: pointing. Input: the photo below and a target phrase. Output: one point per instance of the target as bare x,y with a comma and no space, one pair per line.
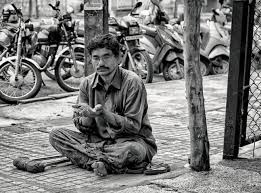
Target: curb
49,97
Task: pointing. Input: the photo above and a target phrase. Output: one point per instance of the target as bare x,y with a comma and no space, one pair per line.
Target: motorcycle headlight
133,30
69,24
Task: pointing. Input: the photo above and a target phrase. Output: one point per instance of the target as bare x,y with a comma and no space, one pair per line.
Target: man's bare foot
99,169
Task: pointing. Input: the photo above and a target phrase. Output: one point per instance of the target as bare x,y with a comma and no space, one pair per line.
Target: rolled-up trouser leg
72,145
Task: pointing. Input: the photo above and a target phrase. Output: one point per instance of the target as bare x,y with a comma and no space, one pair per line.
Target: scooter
215,42
165,51
166,48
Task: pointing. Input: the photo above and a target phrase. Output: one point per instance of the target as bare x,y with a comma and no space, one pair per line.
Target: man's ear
119,58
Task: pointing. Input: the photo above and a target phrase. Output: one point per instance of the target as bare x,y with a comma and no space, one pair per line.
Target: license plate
133,37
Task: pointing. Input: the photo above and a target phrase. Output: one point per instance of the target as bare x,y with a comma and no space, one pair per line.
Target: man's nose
101,62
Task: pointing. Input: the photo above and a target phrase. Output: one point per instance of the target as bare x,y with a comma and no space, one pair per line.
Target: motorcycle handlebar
63,20
54,7
18,12
51,6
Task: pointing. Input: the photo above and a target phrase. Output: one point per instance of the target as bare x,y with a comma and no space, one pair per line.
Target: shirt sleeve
135,108
83,97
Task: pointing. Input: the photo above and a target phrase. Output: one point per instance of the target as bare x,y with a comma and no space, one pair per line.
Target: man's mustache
102,68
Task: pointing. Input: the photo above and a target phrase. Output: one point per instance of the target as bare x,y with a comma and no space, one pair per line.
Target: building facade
116,7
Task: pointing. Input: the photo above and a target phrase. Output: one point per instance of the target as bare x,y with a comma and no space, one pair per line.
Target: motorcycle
19,76
166,48
69,67
53,38
134,57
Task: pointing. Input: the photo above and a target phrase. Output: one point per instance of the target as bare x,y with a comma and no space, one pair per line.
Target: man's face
104,61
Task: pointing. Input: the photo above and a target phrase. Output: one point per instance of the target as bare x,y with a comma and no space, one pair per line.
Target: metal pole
235,79
246,88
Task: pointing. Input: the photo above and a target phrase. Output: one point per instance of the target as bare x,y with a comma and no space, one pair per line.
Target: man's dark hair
107,41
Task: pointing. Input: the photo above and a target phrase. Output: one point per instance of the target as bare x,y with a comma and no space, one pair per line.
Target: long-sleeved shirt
126,98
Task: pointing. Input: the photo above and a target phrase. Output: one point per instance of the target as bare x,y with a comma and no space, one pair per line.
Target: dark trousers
83,150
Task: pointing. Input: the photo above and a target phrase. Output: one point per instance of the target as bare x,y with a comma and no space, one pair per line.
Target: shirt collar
116,81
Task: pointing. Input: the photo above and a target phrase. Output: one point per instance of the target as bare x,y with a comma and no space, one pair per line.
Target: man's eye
106,57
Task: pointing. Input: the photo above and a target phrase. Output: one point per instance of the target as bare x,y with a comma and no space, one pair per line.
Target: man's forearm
120,123
113,119
83,124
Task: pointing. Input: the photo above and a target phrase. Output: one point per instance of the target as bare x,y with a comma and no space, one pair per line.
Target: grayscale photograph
130,96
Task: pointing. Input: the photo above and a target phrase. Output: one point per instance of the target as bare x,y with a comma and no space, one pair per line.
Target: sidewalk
24,132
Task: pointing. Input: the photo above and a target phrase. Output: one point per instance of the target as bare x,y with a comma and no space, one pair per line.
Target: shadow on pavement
244,164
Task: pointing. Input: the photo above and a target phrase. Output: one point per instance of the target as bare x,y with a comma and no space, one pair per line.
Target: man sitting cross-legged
111,114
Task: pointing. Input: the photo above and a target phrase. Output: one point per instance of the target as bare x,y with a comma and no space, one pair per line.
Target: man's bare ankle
99,168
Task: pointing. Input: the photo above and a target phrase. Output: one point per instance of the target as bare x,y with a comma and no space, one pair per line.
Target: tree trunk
199,158
30,7
36,8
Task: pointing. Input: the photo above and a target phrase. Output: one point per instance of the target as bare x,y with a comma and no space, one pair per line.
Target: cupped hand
85,110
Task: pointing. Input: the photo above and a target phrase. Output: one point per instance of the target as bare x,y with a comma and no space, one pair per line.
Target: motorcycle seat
149,30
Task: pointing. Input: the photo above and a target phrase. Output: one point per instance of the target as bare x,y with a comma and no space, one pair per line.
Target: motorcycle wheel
28,84
171,72
50,73
143,64
220,65
65,68
204,69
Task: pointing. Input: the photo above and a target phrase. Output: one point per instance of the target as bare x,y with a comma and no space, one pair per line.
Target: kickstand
43,83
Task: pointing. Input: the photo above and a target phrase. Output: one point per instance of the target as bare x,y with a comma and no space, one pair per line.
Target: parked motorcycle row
54,49
57,51
168,53
164,44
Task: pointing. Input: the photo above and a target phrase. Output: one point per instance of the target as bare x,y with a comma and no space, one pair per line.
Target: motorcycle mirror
137,5
81,7
57,4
